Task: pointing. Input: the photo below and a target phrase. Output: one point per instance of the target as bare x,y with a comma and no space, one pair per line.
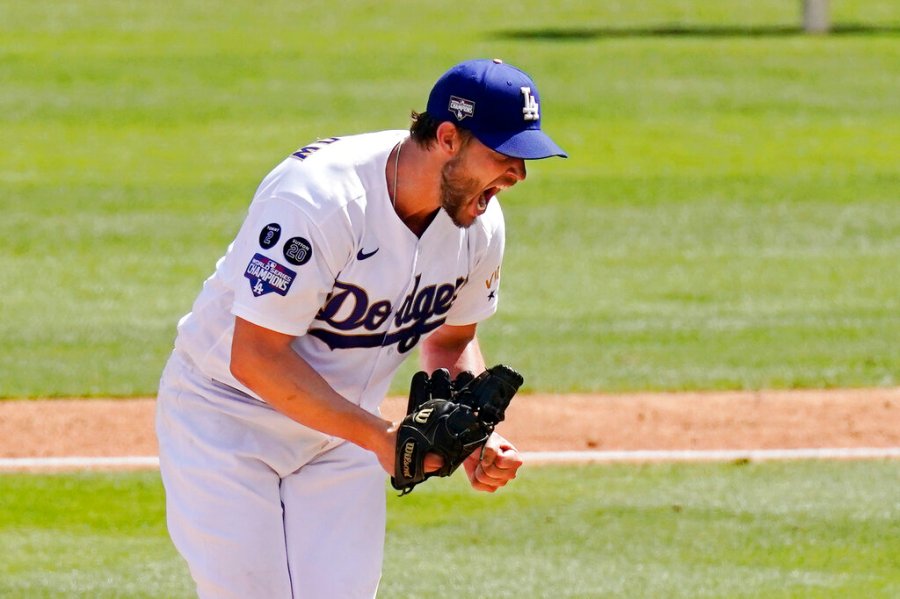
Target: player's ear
449,139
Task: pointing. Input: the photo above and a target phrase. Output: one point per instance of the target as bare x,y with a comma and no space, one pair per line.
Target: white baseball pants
259,506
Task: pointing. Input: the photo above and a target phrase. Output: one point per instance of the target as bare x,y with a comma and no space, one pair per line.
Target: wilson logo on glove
450,418
422,416
408,450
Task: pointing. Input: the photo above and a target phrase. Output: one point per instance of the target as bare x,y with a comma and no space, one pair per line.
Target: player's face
473,177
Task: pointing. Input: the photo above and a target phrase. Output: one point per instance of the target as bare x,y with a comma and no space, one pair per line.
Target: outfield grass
804,529
728,217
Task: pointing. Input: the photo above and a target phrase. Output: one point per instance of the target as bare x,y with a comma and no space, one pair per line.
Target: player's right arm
263,361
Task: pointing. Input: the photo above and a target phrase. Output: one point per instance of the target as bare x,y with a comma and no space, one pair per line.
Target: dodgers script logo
355,320
266,275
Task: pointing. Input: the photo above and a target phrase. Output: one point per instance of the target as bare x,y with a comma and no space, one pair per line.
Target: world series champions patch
266,275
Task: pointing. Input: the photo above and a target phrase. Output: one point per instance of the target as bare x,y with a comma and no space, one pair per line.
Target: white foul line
531,457
710,455
78,463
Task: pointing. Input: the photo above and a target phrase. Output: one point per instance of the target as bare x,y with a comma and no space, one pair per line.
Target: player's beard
457,192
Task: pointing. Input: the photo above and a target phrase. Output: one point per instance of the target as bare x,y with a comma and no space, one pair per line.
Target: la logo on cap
530,111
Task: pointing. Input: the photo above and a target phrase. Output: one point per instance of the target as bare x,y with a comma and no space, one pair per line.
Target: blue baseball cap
498,103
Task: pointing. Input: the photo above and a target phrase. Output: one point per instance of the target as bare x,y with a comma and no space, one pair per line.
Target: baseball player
355,250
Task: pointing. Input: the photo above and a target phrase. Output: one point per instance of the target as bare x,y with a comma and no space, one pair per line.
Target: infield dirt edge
535,422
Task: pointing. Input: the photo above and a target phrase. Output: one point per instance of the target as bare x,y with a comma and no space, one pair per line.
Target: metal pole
815,16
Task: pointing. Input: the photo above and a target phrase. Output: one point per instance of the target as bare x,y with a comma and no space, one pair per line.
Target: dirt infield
647,421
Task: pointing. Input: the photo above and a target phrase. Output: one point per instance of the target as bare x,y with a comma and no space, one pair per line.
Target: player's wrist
378,436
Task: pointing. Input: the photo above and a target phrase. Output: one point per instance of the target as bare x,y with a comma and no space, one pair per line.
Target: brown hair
423,129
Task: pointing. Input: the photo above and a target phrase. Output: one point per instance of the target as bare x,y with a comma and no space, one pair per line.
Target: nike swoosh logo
362,255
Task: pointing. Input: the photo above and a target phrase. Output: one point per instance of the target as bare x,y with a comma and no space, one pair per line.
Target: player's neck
414,185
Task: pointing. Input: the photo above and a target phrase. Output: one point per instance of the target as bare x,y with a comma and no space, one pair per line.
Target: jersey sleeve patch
267,275
297,251
270,235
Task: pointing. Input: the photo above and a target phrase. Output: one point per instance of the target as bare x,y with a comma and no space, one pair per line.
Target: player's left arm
456,348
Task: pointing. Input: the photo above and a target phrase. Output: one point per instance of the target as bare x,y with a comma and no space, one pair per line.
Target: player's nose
517,169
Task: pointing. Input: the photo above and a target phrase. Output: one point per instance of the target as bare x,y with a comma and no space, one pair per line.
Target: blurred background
728,219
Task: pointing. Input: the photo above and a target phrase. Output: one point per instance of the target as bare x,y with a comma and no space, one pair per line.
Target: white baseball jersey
323,256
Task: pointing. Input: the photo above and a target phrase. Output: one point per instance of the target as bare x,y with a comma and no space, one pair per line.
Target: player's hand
387,455
433,462
496,466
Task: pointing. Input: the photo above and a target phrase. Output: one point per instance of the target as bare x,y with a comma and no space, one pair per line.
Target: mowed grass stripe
782,529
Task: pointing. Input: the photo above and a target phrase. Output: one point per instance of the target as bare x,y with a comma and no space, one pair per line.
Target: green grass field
729,219
814,529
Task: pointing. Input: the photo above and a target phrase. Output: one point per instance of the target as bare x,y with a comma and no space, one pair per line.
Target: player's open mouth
485,197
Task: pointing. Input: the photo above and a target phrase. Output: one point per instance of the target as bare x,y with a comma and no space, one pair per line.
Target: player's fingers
433,462
481,481
487,455
491,478
507,460
494,466
482,487
494,473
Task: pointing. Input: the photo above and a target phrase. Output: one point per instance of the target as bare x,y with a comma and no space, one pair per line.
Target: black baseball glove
451,418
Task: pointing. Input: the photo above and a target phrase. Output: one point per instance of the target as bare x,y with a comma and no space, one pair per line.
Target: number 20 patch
266,275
